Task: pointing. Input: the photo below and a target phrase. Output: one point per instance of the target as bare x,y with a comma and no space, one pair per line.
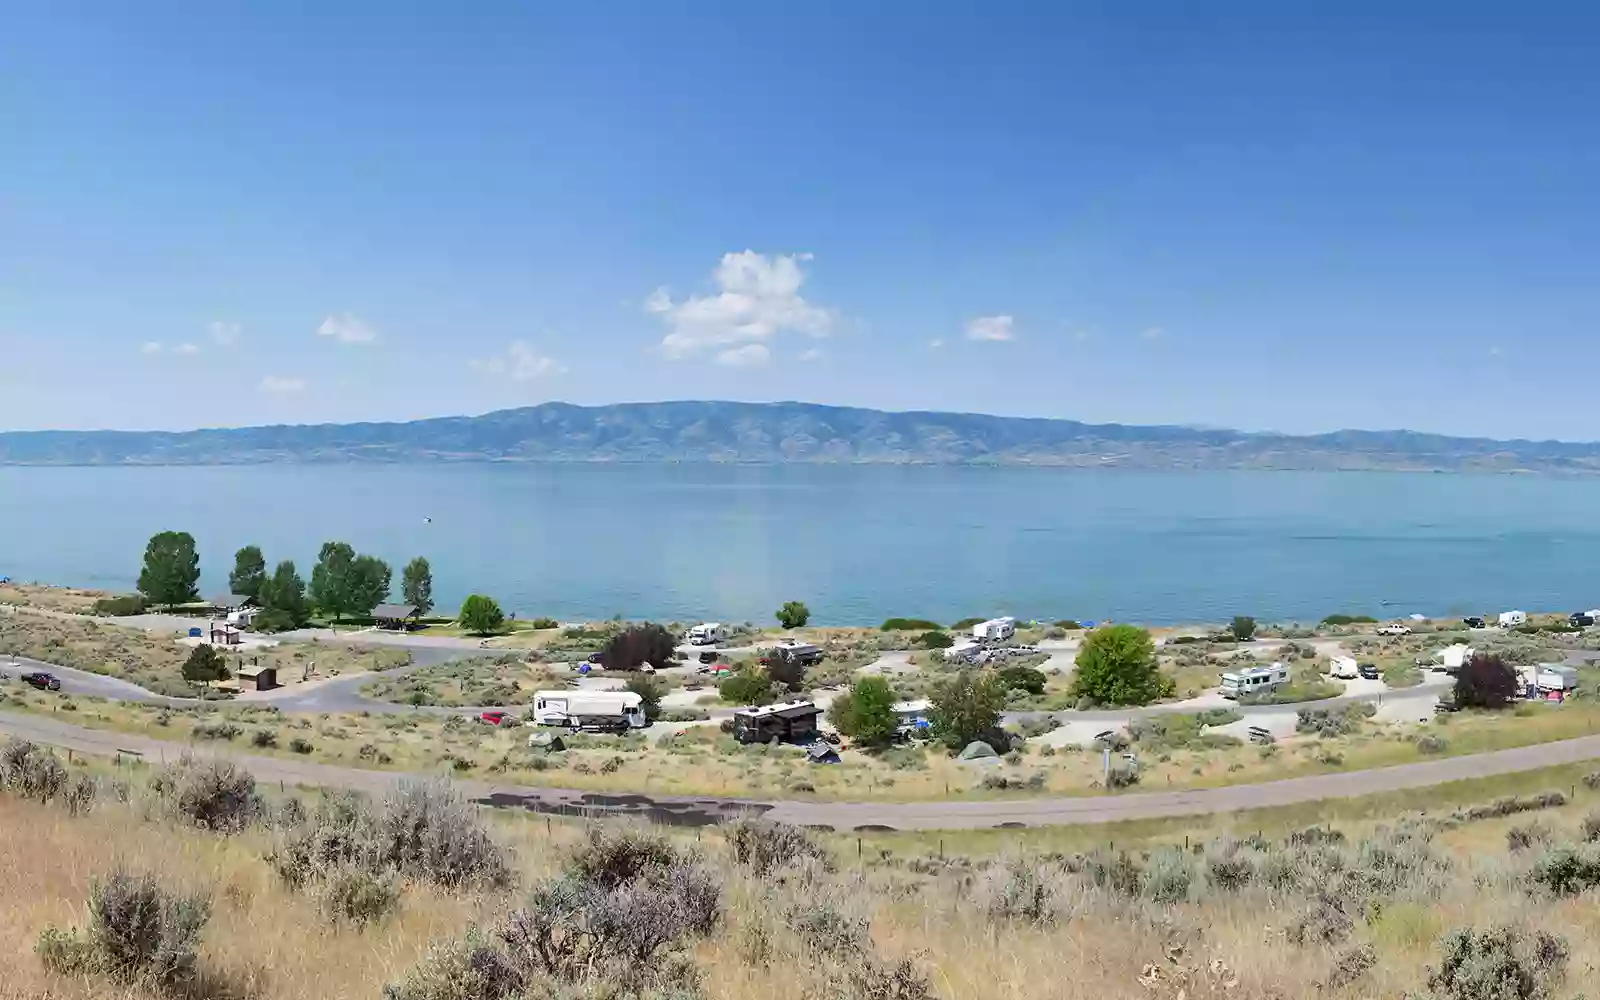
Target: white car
1393,629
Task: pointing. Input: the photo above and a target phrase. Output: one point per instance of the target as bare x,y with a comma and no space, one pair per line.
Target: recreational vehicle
995,629
594,710
1345,668
787,722
1255,680
707,634
1511,619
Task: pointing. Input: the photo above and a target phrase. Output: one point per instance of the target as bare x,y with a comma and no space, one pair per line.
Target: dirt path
989,813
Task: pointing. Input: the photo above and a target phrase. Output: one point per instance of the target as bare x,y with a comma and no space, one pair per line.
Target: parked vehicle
1450,658
1370,672
603,711
708,657
995,629
803,653
1344,668
494,718
1473,621
1511,619
1394,628
707,634
1555,677
42,680
1254,680
1580,619
785,722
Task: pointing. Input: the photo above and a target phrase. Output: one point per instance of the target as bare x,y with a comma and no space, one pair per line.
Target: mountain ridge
792,432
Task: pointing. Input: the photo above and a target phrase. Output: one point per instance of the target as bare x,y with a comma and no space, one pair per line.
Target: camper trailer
913,716
707,634
1255,680
1511,619
1450,658
1345,668
603,711
803,653
786,722
995,629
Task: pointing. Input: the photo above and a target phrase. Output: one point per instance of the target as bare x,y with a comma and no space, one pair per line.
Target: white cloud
280,385
936,343
1153,333
521,363
810,354
347,329
225,332
186,349
758,297
991,328
744,357
150,347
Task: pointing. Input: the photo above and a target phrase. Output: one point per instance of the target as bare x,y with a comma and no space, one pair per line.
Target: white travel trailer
1345,668
995,629
1511,619
1450,658
589,709
1255,680
966,650
707,634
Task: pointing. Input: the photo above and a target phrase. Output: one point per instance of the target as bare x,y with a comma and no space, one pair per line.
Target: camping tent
977,750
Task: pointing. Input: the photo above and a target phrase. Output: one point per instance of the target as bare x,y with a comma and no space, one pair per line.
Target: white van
1511,619
1345,668
589,709
1254,681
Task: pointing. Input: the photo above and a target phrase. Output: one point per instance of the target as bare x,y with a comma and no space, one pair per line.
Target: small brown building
223,634
787,721
257,678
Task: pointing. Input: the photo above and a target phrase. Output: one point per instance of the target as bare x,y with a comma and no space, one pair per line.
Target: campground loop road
842,816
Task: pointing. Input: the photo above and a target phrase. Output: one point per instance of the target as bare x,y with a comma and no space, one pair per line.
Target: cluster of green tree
205,666
1349,620
1117,666
343,582
961,710
793,614
909,625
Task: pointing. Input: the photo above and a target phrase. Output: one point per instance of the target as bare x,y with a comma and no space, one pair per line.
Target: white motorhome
1345,668
589,709
1255,680
707,634
1511,619
995,629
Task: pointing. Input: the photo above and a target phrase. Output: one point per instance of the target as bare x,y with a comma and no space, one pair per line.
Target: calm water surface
856,543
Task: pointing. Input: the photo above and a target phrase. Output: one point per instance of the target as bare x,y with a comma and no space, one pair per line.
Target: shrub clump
617,920
138,932
34,772
421,830
215,795
765,847
1018,891
1566,871
1502,963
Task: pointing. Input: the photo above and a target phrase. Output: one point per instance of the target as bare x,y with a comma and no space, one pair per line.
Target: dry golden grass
73,600
269,943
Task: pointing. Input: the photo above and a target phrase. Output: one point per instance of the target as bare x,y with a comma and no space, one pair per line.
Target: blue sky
1267,215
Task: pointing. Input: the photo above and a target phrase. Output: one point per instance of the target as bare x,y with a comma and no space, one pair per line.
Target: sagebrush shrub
216,795
1501,963
764,847
1017,890
31,771
138,932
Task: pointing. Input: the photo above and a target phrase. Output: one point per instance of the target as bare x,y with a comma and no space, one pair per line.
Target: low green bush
909,625
121,604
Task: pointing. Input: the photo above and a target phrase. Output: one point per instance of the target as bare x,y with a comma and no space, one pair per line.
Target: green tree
249,572
650,692
793,614
785,669
204,665
747,686
1243,628
935,640
966,708
866,712
1117,666
283,598
369,584
1025,678
171,569
416,585
331,579
481,615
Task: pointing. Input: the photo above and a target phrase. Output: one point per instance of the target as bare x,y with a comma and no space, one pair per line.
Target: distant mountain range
790,432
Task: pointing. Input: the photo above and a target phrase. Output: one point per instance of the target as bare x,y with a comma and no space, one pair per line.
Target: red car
494,718
42,681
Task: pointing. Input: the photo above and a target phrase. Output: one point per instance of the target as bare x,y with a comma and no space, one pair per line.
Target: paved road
844,816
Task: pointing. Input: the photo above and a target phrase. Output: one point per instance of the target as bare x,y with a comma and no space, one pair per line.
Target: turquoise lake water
856,543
